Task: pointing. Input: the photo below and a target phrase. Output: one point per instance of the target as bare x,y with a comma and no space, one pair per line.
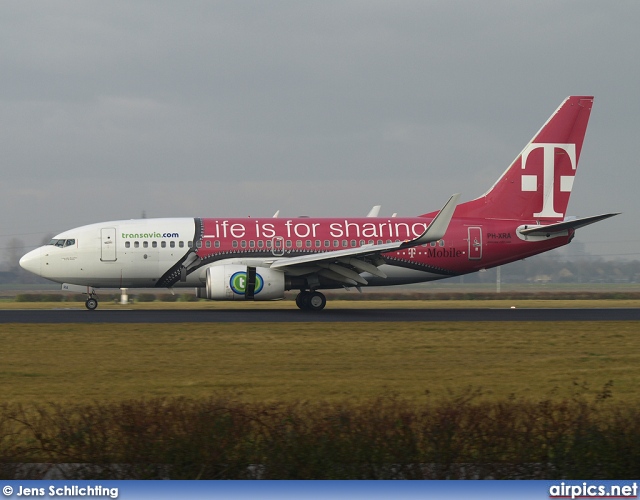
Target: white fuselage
101,257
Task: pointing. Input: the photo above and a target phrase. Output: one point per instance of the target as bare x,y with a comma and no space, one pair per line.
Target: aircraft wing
563,226
346,265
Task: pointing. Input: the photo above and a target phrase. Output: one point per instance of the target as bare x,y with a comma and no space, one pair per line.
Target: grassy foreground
315,362
322,401
385,438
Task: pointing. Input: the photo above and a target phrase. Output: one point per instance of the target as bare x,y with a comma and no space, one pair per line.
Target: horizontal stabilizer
562,226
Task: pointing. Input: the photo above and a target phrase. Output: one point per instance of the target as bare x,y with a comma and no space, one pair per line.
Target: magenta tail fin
538,183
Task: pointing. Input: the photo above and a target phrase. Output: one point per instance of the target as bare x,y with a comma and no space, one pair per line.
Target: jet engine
237,282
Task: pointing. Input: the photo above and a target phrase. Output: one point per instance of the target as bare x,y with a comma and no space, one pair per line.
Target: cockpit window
62,243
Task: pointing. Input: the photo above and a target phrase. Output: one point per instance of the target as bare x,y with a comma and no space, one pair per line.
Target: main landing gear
311,301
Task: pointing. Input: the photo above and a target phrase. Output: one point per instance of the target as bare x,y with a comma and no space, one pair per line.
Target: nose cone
32,261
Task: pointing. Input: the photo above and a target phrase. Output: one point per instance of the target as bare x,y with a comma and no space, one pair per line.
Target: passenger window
345,243
353,243
252,244
243,244
181,244
163,244
441,243
172,244
289,245
268,243
136,244
127,244
307,243
318,243
145,244
189,244
207,244
299,243
199,244
260,243
154,244
336,243
433,243
327,243
362,242
217,244
235,244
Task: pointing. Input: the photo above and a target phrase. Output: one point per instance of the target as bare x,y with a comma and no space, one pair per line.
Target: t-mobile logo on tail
530,182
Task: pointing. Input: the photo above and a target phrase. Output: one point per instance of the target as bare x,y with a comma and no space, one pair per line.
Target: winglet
374,211
435,231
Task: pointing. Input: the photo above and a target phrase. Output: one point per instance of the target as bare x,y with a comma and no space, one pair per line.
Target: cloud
316,107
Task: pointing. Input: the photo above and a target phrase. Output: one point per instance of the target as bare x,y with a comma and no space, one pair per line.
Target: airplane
522,214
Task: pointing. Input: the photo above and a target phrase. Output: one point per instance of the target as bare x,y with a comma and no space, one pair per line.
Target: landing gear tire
91,303
316,301
311,301
301,299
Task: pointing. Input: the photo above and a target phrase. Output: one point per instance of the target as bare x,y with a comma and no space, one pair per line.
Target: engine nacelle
236,282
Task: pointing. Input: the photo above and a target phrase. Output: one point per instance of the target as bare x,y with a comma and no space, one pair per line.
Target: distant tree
13,252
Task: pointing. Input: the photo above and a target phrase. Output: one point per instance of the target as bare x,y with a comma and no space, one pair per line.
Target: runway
54,316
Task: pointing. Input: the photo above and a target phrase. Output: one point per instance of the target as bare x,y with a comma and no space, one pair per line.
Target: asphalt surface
327,316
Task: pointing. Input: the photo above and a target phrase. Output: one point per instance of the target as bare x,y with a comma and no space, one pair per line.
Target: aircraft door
108,242
475,243
277,248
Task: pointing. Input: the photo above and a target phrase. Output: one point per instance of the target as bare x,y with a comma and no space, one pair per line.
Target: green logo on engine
238,283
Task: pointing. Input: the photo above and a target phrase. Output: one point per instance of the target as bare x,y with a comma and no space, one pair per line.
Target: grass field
314,400
314,362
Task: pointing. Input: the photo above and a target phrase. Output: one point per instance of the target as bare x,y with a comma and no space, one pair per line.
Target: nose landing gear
92,302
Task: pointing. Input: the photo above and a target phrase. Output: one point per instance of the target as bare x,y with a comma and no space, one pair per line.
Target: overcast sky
238,108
